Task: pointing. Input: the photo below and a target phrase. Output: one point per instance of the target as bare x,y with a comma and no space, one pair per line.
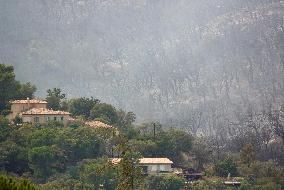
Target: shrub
9,183
226,167
160,182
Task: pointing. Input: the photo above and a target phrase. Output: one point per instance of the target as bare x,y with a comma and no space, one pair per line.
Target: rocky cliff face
184,62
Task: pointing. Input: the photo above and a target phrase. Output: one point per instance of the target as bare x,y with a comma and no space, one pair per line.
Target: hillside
163,60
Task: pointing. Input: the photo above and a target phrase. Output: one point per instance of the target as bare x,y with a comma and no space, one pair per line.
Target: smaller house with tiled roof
43,115
35,111
152,165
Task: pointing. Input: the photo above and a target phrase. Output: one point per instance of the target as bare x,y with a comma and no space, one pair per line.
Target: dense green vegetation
76,156
46,151
11,88
9,183
162,182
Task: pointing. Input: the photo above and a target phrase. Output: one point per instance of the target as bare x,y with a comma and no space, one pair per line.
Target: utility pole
132,177
112,143
154,132
155,137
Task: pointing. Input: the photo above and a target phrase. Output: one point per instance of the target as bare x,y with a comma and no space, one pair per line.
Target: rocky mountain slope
197,64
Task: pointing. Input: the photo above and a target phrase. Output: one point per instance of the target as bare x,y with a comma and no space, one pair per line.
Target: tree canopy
54,98
11,89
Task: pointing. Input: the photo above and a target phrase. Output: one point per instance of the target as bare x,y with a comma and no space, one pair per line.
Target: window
153,168
36,119
145,169
162,167
55,118
47,118
61,118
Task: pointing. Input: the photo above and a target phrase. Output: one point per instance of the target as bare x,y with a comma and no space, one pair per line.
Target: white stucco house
152,165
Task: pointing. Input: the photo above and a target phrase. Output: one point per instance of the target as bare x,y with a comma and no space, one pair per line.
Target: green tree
160,182
106,112
43,161
21,134
13,158
172,143
260,185
130,132
82,106
18,120
12,89
9,87
80,143
226,167
153,182
26,90
65,182
173,182
125,119
209,184
147,130
95,173
202,153
54,98
48,150
262,175
146,147
5,128
247,154
262,170
128,171
43,137
9,183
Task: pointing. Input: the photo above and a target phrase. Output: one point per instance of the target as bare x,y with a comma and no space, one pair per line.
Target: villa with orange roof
35,111
19,106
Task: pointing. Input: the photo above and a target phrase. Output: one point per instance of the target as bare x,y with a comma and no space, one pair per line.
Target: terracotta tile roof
155,161
115,160
146,161
44,111
32,101
98,124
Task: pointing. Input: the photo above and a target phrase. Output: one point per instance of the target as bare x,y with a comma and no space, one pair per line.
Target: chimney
28,100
